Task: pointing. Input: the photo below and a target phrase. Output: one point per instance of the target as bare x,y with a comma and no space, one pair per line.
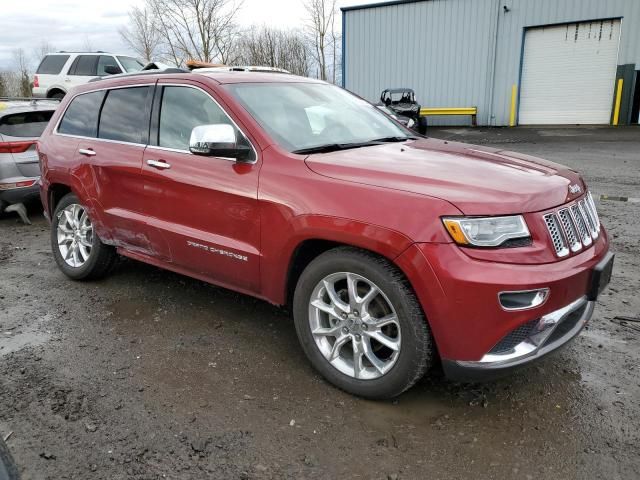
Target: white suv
60,71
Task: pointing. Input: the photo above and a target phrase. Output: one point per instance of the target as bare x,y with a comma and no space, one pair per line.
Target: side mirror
218,140
112,69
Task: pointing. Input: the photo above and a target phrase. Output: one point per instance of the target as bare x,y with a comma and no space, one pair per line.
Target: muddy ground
148,374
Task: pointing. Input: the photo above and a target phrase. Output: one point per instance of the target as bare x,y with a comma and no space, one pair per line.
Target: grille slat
574,227
582,227
559,243
594,211
591,224
570,230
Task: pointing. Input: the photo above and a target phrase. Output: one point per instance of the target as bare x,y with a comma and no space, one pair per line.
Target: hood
477,180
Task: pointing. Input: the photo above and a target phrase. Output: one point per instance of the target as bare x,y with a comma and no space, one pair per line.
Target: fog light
523,299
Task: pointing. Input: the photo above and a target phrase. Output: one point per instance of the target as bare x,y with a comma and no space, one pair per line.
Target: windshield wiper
333,147
393,139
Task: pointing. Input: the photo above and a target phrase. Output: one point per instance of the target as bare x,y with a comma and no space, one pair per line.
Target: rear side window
52,64
84,65
27,124
81,118
125,116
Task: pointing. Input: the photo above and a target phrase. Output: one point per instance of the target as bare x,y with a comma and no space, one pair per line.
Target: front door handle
158,164
87,151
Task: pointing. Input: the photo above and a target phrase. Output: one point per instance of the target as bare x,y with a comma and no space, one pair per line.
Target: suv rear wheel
360,324
77,249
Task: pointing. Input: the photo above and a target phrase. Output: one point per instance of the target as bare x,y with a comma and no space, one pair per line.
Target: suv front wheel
360,324
77,249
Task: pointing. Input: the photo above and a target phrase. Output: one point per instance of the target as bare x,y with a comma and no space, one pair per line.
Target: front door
206,207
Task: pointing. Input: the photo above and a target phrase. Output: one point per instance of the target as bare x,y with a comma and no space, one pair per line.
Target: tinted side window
183,109
124,115
52,64
84,65
105,60
27,124
81,118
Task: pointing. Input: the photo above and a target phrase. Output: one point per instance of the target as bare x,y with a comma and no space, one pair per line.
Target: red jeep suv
391,249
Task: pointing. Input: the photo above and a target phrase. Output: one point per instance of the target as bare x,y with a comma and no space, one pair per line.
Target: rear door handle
87,151
158,164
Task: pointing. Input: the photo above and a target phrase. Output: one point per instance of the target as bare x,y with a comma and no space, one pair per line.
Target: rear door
110,157
83,69
206,207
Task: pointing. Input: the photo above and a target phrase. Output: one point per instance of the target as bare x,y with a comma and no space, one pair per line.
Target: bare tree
336,38
320,19
271,47
42,50
9,84
87,44
142,33
22,66
202,30
4,87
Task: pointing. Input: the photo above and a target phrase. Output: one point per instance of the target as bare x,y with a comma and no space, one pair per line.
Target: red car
392,249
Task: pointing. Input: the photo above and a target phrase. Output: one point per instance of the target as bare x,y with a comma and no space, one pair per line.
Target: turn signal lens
455,231
486,231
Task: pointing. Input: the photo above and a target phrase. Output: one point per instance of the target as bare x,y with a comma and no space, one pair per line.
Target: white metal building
521,62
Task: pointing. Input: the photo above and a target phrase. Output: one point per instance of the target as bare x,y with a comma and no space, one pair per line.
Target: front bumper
460,297
536,339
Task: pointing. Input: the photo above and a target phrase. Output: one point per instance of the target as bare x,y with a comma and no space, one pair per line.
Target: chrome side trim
537,345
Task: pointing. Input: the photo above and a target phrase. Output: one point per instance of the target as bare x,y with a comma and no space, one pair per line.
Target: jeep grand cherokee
392,249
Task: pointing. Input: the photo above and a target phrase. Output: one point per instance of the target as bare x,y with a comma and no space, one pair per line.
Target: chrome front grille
574,227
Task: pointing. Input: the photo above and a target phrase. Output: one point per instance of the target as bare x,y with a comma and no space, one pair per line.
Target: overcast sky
76,24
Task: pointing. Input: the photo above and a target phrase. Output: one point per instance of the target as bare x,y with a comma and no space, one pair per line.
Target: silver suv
60,71
22,121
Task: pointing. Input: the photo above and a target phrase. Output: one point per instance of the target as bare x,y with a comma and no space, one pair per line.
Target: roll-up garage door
568,73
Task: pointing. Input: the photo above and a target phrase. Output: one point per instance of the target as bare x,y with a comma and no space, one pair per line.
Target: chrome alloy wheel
354,325
75,235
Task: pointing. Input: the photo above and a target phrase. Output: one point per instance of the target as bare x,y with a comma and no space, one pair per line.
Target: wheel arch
53,90
328,233
55,193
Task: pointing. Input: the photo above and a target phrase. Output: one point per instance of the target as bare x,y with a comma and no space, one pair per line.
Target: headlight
486,231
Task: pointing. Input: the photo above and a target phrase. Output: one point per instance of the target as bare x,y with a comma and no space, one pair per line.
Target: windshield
130,64
303,116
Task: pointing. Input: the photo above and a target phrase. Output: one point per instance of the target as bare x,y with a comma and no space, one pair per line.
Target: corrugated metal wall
449,53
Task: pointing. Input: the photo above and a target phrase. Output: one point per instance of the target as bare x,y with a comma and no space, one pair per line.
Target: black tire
417,349
422,125
8,468
57,96
101,258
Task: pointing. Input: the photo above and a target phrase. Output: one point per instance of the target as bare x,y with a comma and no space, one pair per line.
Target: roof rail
141,73
28,99
71,51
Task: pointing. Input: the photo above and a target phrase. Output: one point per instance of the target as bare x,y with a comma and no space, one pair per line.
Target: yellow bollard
514,96
616,110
